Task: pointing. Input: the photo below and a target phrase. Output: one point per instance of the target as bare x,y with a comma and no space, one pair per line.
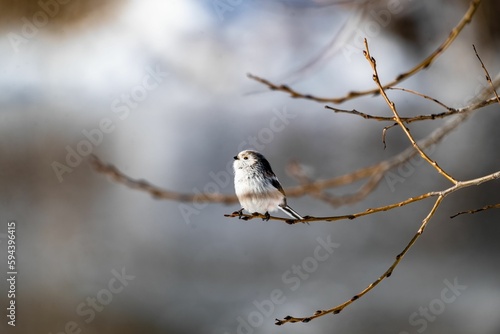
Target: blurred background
160,90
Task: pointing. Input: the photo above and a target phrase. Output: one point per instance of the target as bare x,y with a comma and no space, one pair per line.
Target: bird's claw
240,214
267,216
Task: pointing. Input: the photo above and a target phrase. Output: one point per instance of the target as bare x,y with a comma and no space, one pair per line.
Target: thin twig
488,77
392,119
391,105
450,111
487,207
466,19
427,97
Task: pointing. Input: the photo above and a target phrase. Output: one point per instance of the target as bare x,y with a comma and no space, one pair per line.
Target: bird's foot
240,214
267,216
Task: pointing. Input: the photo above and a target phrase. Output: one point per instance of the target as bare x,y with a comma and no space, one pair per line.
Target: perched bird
257,187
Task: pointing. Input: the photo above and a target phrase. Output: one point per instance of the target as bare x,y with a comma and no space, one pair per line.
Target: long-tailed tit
257,187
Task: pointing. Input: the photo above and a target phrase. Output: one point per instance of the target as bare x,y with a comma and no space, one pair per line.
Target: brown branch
487,207
391,105
466,19
312,219
427,97
433,138
156,192
392,119
440,197
450,111
294,169
488,77
337,309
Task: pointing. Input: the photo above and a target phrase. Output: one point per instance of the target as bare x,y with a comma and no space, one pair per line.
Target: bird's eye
246,158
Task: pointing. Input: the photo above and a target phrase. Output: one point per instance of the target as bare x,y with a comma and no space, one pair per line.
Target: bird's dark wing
267,167
277,185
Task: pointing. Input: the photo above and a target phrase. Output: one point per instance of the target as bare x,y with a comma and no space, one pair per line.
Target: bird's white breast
255,192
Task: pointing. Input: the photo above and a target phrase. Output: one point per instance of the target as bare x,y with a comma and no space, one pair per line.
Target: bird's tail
291,212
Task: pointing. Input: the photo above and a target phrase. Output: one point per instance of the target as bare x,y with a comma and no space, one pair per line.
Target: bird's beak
235,157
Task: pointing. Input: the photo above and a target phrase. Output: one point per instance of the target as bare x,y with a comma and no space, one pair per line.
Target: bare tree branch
155,191
488,77
392,105
440,196
450,112
310,219
487,207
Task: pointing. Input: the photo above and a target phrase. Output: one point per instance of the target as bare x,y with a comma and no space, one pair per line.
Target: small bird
257,187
